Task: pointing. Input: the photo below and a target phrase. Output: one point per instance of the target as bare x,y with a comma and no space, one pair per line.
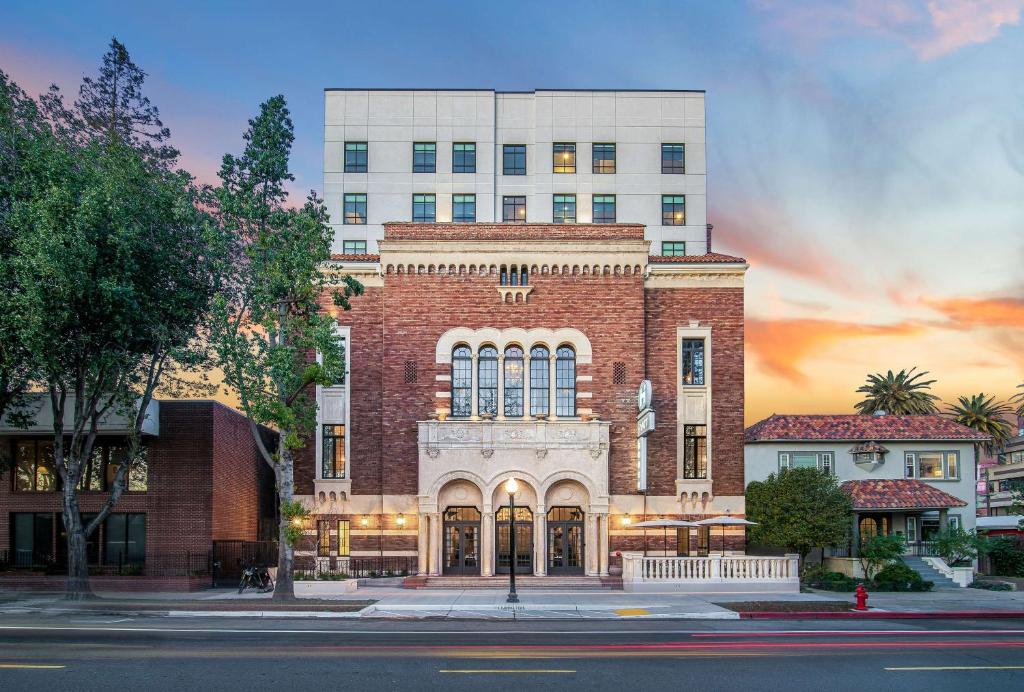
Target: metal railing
183,564
360,567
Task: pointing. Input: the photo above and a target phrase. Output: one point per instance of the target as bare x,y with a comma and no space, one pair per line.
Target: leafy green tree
118,266
799,510
985,415
956,546
268,320
903,393
878,552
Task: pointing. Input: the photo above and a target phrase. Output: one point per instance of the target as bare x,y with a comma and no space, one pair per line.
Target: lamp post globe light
511,486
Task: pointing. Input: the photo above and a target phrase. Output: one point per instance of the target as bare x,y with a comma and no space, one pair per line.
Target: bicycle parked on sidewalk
257,578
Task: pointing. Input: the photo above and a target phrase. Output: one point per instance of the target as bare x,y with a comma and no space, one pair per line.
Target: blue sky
866,156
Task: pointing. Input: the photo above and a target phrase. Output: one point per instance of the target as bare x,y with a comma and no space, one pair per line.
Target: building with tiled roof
911,475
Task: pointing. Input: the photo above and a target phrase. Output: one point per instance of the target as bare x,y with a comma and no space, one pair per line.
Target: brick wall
238,473
722,309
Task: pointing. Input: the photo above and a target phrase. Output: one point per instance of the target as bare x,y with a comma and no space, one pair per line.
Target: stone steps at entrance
500,581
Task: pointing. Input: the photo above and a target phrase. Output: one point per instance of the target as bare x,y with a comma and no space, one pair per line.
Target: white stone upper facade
637,123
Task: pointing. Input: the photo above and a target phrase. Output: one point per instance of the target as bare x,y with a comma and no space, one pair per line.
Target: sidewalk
490,604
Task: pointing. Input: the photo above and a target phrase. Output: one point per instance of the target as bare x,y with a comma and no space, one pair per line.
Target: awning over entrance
898,493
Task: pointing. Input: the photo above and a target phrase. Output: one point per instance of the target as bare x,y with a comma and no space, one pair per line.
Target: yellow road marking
959,668
630,612
506,670
28,666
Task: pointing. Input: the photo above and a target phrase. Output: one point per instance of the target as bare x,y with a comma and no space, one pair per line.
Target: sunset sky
866,156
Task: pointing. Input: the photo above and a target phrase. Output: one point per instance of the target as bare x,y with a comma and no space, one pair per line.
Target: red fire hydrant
862,598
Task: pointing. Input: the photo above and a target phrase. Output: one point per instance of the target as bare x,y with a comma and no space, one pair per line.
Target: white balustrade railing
712,569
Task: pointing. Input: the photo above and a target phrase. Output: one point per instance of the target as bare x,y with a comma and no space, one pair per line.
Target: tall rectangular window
424,157
513,209
34,469
137,479
673,158
344,538
604,158
323,538
513,159
355,157
333,456
604,208
353,247
355,209
692,367
673,212
673,248
464,157
125,539
540,371
424,208
464,208
695,451
563,157
32,538
563,208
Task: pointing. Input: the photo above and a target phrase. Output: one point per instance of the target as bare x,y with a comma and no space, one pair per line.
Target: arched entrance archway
566,542
524,540
461,551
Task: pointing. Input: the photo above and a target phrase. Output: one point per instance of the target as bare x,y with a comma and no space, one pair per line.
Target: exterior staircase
500,581
930,573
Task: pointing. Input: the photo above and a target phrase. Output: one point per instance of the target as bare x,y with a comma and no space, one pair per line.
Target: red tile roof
361,257
708,258
898,493
858,427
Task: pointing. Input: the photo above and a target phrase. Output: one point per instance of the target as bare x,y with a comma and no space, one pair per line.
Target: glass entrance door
565,540
524,541
461,540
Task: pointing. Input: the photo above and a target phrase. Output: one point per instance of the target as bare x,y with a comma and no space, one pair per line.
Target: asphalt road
102,653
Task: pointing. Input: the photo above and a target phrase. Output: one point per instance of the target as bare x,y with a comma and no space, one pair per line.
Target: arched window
487,377
565,381
514,382
524,276
539,381
462,382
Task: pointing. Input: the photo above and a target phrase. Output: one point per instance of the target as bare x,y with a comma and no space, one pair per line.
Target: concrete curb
886,615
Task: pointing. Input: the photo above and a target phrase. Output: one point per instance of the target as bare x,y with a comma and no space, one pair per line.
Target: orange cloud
782,345
980,312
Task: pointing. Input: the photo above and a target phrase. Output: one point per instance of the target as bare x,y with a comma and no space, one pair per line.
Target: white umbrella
723,522
664,524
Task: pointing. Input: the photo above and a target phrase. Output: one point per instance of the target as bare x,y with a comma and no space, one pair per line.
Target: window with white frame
333,414
932,466
807,460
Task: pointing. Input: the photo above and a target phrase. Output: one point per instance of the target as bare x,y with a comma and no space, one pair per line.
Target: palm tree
987,416
1019,400
899,394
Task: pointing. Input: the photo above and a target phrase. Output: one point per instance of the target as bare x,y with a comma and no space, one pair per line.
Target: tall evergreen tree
268,320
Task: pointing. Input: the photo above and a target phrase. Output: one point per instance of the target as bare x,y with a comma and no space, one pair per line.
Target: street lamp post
511,486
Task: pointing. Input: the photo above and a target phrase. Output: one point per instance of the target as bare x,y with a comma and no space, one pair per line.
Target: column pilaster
602,540
500,413
435,544
487,545
552,388
540,534
474,379
526,384
422,543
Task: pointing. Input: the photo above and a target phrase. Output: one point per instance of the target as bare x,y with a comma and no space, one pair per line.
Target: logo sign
644,396
645,422
644,425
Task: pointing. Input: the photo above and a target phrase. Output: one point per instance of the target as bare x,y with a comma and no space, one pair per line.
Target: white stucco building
577,156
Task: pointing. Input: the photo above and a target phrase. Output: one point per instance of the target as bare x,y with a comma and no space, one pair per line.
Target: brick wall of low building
238,476
722,309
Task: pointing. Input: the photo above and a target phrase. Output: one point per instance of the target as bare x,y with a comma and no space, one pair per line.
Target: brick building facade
200,479
488,351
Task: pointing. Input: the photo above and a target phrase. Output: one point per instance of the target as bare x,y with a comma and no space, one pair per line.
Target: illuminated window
424,157
464,208
355,157
424,208
34,469
692,366
673,248
513,209
514,382
464,157
355,209
333,456
563,208
354,247
933,465
563,157
604,208
344,538
604,158
672,210
673,158
514,159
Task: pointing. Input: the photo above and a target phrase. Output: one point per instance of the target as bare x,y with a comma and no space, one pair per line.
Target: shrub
956,546
878,552
991,585
1006,554
898,577
817,577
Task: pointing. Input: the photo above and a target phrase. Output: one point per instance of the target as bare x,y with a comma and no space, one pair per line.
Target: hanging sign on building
644,425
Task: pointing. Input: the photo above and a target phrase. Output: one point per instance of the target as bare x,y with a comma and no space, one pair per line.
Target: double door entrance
564,549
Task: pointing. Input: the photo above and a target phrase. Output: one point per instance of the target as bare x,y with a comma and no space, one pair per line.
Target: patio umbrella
665,524
723,522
